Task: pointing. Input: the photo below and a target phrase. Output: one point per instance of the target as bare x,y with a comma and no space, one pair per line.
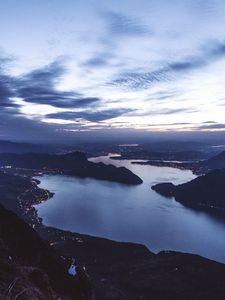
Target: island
73,164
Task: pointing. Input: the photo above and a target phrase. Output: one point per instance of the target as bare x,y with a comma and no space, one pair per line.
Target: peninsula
73,164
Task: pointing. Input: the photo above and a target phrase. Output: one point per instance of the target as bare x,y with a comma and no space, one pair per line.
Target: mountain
29,267
215,162
74,164
207,191
127,271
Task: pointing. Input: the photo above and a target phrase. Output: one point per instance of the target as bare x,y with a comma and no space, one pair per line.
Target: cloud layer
141,65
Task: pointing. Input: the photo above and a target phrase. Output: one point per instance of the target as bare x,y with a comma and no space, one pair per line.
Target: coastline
37,222
30,215
33,196
124,270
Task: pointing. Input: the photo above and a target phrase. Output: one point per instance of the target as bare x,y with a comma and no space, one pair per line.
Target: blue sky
95,66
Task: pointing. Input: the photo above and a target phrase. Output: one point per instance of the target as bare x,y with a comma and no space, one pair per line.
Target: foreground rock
122,271
207,191
30,268
74,164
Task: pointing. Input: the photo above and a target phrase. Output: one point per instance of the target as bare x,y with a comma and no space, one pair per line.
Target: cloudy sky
75,67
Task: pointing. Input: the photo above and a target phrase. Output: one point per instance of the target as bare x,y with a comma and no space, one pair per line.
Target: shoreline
37,223
122,268
118,270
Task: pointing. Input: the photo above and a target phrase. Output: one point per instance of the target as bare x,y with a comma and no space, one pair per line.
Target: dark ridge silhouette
74,164
215,162
207,191
37,269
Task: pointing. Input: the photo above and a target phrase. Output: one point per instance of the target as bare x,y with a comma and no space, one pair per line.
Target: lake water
132,213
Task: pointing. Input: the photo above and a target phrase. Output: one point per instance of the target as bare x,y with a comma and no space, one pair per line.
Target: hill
206,192
74,164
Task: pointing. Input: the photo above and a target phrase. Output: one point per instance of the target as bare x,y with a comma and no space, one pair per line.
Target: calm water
132,213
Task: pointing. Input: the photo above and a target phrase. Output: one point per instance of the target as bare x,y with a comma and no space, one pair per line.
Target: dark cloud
120,24
35,87
175,111
215,49
13,125
196,126
93,116
57,99
5,91
163,95
211,126
4,60
172,124
46,75
6,88
164,111
186,65
98,60
209,122
39,87
211,52
140,80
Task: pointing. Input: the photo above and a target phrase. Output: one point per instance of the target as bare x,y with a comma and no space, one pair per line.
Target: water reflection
132,213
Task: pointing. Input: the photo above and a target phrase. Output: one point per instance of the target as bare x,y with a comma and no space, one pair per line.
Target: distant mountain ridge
215,162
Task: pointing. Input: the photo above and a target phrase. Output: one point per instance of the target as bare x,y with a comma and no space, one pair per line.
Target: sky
94,68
